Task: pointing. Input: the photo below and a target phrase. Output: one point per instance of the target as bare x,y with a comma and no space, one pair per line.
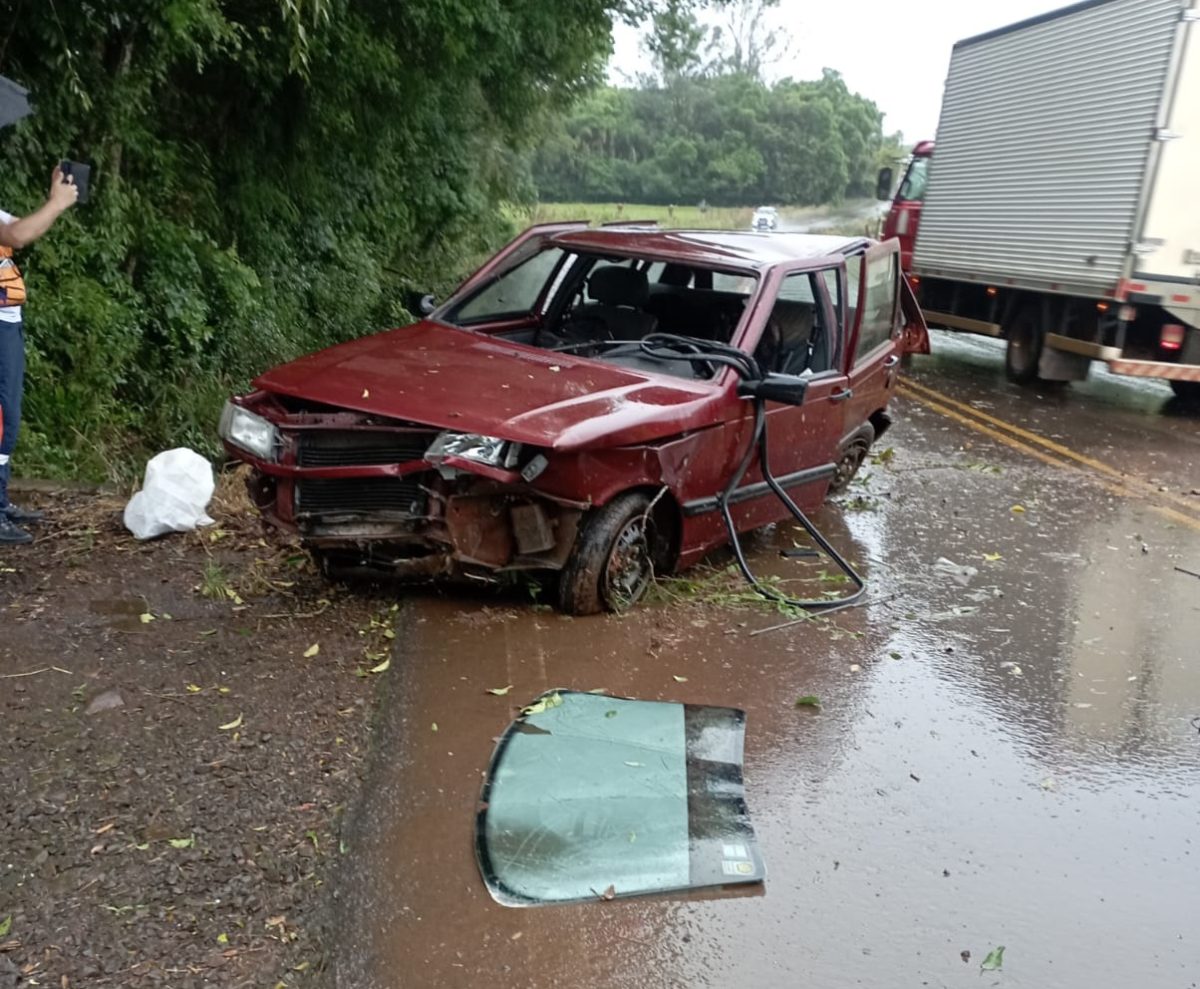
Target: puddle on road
123,613
1010,760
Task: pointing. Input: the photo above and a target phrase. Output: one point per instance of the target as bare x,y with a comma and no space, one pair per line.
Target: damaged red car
594,403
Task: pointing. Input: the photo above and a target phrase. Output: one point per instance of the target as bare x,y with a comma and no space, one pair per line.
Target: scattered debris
959,573
993,961
808,700
106,701
499,691
175,494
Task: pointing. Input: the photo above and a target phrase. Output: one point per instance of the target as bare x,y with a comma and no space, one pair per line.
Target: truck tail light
1171,337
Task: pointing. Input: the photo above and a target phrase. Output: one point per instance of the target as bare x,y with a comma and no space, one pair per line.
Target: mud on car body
528,424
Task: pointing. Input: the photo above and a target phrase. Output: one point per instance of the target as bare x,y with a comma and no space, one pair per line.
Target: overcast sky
895,53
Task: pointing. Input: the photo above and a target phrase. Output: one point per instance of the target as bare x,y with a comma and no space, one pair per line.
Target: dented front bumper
367,496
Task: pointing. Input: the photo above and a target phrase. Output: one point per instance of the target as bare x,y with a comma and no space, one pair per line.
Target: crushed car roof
740,248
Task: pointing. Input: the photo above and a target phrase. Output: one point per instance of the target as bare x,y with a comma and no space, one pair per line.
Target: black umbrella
14,102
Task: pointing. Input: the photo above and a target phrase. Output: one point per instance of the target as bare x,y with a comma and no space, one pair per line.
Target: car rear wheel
1024,351
611,565
853,454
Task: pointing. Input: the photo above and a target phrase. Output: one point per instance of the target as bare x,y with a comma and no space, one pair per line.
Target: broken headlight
488,450
251,432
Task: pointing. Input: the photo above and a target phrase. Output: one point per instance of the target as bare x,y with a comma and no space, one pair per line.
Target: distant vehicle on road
765,218
586,404
1059,211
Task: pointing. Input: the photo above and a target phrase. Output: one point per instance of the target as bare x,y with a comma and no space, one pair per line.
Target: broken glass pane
590,796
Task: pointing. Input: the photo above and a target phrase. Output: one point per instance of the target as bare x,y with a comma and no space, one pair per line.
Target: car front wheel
611,565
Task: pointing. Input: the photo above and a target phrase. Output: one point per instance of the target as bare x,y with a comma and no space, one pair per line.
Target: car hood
474,383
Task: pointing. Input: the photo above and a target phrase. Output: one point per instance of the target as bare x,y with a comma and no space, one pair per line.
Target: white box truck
1059,207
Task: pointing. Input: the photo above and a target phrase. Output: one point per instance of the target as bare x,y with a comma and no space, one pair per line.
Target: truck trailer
1059,207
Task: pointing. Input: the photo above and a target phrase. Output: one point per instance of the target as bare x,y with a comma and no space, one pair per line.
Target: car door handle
841,396
891,361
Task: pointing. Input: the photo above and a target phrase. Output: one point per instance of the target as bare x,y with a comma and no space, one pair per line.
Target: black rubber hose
696,350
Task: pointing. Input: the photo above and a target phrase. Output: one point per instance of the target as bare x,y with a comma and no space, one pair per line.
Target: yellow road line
1131,480
1121,488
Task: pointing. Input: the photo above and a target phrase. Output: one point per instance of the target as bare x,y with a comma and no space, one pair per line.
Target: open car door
916,333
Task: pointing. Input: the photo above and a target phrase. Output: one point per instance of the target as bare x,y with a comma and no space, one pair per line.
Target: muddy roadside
184,724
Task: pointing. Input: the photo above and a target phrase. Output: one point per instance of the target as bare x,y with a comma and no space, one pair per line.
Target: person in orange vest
16,233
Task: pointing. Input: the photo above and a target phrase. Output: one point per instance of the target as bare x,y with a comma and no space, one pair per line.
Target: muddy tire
851,459
1024,350
611,565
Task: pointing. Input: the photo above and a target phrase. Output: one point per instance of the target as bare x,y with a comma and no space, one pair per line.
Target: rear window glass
592,797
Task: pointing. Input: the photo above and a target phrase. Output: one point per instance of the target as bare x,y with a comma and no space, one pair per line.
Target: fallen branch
824,612
302,614
33,673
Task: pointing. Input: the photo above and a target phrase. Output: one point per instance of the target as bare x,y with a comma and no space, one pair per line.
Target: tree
270,176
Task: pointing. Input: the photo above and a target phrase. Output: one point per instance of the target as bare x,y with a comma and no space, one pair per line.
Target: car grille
358,447
361,496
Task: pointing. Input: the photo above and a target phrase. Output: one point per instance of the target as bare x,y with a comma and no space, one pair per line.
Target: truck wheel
1188,391
1024,350
611,565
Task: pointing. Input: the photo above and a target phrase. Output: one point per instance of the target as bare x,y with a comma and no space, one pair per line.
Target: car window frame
873,251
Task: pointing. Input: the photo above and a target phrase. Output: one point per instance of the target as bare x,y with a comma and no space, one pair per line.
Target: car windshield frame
565,281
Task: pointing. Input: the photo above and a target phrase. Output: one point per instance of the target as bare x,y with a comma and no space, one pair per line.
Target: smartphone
80,173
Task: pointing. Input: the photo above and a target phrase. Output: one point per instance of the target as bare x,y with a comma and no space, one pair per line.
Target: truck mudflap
1155,369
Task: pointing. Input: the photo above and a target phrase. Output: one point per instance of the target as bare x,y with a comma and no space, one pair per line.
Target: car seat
620,293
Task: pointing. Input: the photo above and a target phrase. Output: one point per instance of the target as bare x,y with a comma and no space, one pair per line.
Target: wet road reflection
1005,750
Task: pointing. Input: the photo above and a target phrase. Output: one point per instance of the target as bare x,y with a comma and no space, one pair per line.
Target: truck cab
904,216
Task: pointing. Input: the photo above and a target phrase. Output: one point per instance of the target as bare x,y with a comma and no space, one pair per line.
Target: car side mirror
883,185
427,305
787,389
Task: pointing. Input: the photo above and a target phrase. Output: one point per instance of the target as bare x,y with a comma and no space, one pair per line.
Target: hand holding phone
78,174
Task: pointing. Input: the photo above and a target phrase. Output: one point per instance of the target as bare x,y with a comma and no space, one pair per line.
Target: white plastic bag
174,495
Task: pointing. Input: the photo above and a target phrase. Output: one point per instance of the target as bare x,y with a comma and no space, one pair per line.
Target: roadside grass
842,219
683,217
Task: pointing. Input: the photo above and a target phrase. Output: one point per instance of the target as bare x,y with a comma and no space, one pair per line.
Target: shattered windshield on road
595,797
603,307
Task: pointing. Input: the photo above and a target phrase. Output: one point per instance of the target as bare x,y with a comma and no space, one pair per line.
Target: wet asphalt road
1008,756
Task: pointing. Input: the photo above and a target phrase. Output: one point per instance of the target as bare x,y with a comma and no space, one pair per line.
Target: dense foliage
702,123
725,137
270,176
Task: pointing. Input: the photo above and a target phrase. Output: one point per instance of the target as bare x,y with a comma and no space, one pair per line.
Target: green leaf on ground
993,961
499,691
543,705
5,925
808,700
235,723
222,939
312,650
382,667
145,618
183,842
